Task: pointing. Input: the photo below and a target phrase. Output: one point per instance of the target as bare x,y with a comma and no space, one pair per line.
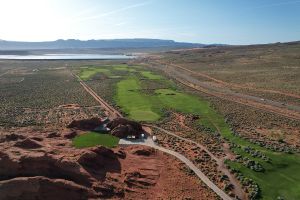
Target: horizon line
142,38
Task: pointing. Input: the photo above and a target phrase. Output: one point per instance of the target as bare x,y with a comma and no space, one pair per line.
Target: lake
66,57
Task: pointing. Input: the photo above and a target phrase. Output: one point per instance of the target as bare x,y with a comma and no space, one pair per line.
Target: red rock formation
28,144
12,137
40,187
70,134
53,135
121,128
57,170
143,151
85,124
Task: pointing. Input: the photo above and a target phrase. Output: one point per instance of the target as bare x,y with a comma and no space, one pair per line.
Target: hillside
95,44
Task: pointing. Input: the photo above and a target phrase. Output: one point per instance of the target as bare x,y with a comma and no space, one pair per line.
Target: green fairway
281,177
150,75
87,73
136,105
191,105
124,68
91,139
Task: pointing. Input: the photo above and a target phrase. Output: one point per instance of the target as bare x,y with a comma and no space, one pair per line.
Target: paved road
183,159
237,187
185,139
148,141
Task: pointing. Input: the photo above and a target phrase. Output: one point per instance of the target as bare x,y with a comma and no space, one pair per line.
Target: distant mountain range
96,44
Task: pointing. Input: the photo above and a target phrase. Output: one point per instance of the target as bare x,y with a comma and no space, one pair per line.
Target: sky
199,21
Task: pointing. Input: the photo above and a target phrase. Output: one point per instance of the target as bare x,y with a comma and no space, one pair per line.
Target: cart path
113,113
238,190
186,161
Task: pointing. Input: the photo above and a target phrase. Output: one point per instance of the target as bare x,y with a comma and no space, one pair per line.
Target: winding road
237,187
148,142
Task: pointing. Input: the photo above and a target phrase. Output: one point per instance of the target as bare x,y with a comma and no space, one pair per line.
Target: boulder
12,137
91,160
121,154
122,131
53,135
143,151
39,187
70,135
121,128
28,144
37,139
85,124
103,151
122,121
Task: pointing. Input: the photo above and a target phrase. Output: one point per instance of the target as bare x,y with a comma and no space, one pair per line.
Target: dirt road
219,89
232,85
4,73
109,110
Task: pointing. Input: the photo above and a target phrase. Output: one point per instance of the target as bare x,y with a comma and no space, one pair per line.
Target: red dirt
170,181
92,173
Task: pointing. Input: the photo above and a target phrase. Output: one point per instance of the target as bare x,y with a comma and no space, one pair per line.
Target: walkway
183,159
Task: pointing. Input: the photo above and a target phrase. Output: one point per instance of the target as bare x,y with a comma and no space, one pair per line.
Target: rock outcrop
12,137
138,180
143,151
121,127
38,169
34,166
40,187
70,134
86,124
28,144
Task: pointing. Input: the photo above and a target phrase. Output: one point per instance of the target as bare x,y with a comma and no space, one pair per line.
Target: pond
67,57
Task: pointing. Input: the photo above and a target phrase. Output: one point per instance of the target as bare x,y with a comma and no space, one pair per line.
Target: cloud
109,13
121,24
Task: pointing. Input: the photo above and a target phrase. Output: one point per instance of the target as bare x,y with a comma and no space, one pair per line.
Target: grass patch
124,68
280,178
150,75
136,105
91,139
189,104
87,73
